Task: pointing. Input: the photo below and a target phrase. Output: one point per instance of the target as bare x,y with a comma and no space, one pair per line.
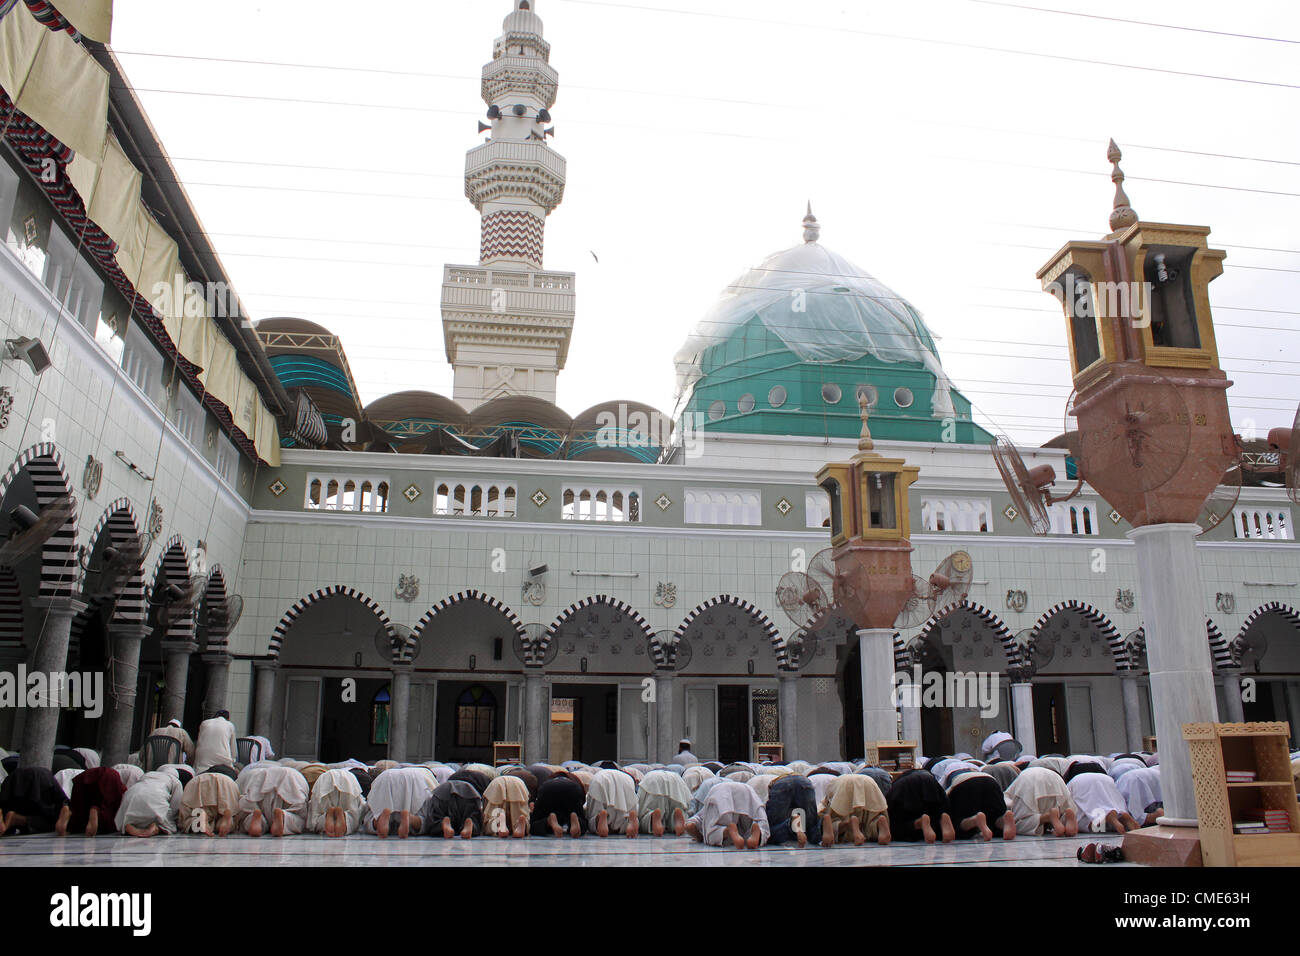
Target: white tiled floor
108,851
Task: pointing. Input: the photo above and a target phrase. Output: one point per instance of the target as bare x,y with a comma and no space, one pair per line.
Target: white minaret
506,322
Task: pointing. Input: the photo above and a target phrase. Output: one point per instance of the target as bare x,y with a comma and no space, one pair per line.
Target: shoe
1087,854
1111,854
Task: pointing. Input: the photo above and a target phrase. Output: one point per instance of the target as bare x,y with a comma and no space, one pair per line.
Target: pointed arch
984,615
1118,650
472,595
567,614
173,567
216,597
59,567
757,614
277,637
130,603
1285,611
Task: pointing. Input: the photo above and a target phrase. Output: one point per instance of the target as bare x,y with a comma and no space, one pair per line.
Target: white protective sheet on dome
848,314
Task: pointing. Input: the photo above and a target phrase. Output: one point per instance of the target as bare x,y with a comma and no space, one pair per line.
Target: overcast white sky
696,131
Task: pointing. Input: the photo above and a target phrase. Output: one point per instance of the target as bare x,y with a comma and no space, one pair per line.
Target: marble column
218,683
50,656
1132,712
909,700
121,680
1022,711
879,716
1234,712
1178,657
665,736
176,657
787,702
537,718
264,700
399,716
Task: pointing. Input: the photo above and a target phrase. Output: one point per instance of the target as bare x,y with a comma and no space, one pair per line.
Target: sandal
1087,854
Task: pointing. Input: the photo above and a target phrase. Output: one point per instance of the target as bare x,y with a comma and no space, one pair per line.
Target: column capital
128,631
57,605
217,657
402,667
266,664
179,647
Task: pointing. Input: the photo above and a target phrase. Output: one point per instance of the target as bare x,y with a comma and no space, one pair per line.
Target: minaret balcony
503,169
521,76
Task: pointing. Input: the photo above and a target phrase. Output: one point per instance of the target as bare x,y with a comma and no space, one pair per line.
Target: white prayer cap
174,722
993,739
684,742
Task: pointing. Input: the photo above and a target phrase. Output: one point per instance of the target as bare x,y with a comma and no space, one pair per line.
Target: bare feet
693,829
1054,821
330,830
828,831
6,822
1154,817
1071,823
381,825
150,830
883,836
978,822
256,826
404,825
736,839
1009,826
467,831
225,823
602,823
1113,824
92,825
277,823
553,822
633,826
575,826
946,828
679,821
926,829
1124,818
521,827
855,832
755,836
61,825
799,827
657,823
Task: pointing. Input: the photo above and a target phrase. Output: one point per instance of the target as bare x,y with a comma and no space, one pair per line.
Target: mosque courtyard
359,850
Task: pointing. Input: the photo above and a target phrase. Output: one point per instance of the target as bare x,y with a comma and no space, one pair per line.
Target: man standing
216,745
684,755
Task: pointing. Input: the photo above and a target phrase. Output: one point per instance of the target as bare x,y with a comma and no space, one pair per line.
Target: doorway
591,714
1051,727
733,722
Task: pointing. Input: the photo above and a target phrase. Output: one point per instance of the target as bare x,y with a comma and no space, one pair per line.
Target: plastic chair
250,750
160,750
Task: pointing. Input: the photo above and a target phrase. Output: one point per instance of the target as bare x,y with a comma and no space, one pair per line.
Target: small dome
522,19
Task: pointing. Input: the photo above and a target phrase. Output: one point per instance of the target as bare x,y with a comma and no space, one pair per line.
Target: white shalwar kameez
1140,789
275,788
729,802
1096,795
821,783
64,779
154,799
613,792
1036,791
398,789
664,791
335,788
130,774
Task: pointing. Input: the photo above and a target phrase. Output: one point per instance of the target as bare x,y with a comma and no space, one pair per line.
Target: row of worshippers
743,805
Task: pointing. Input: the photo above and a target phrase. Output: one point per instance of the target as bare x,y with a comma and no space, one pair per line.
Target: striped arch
989,619
1220,650
470,595
621,606
1285,611
215,597
1118,650
770,629
11,608
59,567
173,567
132,604
291,615
902,659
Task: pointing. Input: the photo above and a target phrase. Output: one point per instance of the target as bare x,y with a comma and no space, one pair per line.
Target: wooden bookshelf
1260,748
507,752
1149,744
896,756
774,752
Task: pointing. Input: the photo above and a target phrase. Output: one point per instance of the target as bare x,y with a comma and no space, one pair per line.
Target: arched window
380,716
476,713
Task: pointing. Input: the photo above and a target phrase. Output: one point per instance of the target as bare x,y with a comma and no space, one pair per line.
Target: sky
948,147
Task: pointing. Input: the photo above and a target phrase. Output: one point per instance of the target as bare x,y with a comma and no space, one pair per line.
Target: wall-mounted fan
949,584
117,564
528,647
1029,487
1135,645
821,568
389,647
802,599
923,652
678,652
28,530
801,648
227,616
1034,651
1218,507
1285,442
853,596
1249,649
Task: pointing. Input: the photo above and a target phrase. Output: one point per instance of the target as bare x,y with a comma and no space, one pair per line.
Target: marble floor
110,851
